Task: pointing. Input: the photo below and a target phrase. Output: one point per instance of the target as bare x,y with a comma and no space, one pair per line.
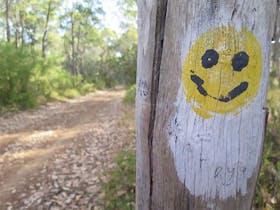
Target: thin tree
7,19
44,39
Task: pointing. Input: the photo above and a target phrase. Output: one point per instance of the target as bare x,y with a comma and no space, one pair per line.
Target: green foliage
57,83
106,73
71,93
127,66
119,186
75,32
117,59
24,100
16,68
99,83
129,10
26,79
129,97
86,88
81,36
119,64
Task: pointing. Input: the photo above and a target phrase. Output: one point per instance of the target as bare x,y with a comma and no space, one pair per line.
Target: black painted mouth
238,90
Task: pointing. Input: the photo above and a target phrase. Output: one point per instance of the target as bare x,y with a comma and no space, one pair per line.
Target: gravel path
53,158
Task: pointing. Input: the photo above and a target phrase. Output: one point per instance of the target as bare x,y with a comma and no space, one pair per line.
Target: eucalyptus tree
79,23
49,14
7,17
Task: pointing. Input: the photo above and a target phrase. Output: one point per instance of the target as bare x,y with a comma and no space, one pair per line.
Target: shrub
16,68
86,88
24,100
99,84
57,83
71,93
130,95
26,79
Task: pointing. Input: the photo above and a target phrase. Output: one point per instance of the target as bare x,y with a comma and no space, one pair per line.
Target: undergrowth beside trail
27,80
130,95
119,186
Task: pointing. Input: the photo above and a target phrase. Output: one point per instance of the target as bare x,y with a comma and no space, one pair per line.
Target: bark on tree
16,37
22,31
73,55
203,69
78,65
44,39
7,18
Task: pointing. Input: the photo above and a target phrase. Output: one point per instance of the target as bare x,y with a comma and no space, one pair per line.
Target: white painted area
217,156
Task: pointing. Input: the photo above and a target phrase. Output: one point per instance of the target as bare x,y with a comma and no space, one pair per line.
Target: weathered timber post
201,87
276,44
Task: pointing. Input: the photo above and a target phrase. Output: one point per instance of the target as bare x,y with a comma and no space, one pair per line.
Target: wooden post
203,69
276,44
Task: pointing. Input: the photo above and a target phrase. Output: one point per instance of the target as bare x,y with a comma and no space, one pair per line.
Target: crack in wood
159,38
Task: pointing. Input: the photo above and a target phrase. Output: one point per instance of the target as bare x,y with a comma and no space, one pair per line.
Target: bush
99,84
86,88
17,66
130,95
56,83
24,100
114,69
127,66
71,93
26,79
119,187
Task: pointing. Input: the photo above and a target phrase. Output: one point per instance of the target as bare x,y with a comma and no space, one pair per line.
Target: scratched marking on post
175,134
227,175
143,88
202,139
174,129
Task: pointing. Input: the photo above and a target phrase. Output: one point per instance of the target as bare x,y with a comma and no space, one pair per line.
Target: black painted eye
240,60
209,59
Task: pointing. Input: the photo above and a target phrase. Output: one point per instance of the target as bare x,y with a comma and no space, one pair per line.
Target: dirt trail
53,158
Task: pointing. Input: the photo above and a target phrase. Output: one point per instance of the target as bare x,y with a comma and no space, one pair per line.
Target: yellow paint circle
222,71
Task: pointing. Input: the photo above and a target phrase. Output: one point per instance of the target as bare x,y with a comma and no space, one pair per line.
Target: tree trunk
44,39
21,21
16,38
78,52
201,87
73,56
7,17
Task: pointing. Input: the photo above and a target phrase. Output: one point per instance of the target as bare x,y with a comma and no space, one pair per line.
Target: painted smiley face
222,71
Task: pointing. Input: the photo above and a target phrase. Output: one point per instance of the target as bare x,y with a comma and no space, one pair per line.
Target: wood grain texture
185,161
